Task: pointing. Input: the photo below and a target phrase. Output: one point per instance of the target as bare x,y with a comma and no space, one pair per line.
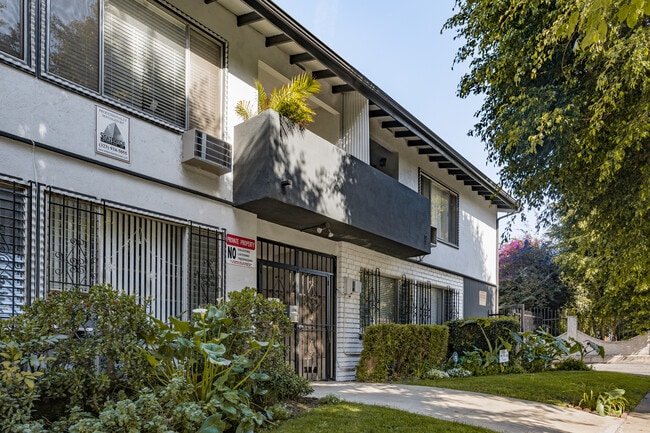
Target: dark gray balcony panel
296,179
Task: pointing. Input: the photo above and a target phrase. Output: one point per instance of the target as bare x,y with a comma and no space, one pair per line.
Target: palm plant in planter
290,100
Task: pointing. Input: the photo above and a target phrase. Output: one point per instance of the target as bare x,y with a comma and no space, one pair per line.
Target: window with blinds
144,58
13,234
444,209
12,28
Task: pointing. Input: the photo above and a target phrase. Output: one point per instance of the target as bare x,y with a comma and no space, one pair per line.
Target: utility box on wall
352,286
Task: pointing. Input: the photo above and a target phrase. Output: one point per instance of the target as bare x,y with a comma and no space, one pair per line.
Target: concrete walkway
500,414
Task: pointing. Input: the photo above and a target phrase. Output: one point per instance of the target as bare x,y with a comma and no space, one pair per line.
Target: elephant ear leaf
213,424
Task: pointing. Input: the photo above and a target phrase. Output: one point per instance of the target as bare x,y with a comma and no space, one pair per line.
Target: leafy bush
458,372
539,350
572,364
265,318
99,362
83,347
221,380
398,351
466,335
434,373
605,403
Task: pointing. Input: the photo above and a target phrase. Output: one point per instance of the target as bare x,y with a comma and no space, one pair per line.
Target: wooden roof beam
246,19
300,58
280,39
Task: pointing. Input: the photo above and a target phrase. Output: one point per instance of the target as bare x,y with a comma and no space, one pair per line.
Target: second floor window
12,28
140,56
444,209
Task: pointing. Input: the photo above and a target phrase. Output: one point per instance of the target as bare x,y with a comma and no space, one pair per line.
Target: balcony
296,179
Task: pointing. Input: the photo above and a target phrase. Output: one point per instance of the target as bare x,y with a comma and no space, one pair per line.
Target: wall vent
207,152
434,236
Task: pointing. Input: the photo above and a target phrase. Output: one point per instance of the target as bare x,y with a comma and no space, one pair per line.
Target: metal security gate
303,279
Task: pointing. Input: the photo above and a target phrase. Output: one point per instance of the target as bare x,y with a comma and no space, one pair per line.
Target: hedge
465,334
394,351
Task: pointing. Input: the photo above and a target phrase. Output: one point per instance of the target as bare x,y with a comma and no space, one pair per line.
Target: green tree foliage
528,275
566,113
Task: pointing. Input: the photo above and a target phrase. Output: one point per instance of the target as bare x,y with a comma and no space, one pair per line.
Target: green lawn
359,418
556,387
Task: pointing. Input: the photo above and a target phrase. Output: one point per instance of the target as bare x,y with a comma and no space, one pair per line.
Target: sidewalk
497,413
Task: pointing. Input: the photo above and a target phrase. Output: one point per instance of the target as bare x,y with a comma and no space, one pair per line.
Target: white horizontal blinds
73,242
12,22
144,257
206,267
12,249
73,41
387,300
205,84
144,59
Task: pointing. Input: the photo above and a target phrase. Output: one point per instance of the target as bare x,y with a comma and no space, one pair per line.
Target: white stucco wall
476,253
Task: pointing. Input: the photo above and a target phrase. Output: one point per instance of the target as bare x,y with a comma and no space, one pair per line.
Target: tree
567,115
528,275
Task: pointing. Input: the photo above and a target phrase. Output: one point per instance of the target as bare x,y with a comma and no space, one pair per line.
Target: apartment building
122,161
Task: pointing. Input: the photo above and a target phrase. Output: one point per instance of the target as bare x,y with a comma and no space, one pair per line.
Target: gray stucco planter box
299,180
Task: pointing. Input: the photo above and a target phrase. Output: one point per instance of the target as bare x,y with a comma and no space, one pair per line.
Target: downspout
508,215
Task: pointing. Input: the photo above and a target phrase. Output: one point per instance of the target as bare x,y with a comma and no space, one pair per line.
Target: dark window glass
74,41
12,28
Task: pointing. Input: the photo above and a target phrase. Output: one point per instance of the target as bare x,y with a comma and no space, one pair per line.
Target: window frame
454,226
190,24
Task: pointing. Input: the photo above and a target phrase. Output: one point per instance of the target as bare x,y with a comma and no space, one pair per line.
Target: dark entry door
303,279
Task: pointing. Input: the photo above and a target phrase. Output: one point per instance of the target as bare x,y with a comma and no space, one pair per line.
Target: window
91,243
140,59
13,229
391,300
13,28
444,209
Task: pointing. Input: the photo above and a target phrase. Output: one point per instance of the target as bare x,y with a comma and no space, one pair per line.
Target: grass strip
347,417
561,388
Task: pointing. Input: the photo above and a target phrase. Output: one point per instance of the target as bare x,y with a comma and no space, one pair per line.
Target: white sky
400,48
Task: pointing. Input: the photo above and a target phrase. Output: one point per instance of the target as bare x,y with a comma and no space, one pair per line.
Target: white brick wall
353,258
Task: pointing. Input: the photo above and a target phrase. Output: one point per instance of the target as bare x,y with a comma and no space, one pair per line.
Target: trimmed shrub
394,351
465,334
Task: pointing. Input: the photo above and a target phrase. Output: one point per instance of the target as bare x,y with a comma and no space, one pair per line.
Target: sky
399,47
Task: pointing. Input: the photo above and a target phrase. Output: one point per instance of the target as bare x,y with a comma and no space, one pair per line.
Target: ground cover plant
561,388
343,417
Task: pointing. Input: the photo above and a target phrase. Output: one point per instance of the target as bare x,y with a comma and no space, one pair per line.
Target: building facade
122,161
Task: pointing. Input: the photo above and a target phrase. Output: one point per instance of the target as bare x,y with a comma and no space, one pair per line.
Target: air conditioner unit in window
207,152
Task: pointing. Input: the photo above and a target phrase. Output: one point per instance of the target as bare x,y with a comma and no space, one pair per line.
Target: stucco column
572,327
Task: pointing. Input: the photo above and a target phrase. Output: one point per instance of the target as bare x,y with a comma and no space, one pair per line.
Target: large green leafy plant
83,346
290,100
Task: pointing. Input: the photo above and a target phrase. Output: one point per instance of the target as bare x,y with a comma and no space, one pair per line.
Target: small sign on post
504,356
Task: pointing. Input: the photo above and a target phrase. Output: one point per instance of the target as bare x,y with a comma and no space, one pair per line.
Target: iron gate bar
283,272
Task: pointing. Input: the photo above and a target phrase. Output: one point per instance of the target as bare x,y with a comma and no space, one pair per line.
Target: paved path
500,414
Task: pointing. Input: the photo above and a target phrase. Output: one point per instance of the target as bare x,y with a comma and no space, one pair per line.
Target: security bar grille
389,300
14,207
206,267
171,266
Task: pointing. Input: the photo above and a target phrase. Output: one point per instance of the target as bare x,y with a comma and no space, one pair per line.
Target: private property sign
240,251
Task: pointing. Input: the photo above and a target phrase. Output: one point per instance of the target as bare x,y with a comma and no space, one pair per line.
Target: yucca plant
289,100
